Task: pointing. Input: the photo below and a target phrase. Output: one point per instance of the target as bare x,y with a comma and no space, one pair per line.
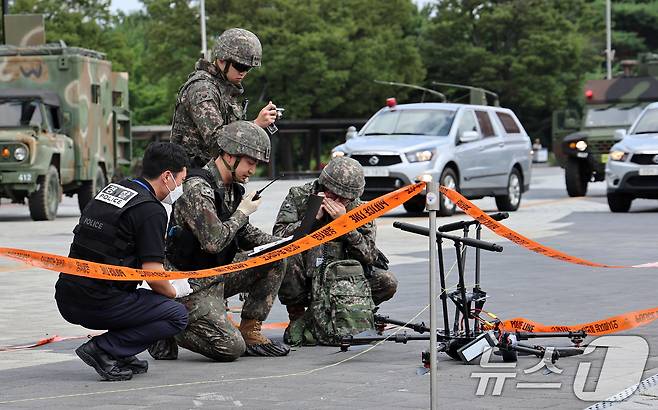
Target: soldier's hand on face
267,115
335,209
248,205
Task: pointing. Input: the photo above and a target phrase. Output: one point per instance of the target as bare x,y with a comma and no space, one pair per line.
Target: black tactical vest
98,237
183,248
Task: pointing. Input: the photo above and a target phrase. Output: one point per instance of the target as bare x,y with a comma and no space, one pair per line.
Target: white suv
632,168
478,150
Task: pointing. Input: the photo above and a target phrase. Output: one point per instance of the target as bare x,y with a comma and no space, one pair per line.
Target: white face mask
172,196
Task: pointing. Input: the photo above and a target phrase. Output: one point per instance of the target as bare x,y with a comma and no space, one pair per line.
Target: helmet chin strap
232,168
227,65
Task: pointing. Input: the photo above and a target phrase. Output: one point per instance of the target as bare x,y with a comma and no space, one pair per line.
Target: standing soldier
341,182
210,224
208,100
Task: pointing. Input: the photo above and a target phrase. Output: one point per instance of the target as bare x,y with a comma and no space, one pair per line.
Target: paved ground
520,283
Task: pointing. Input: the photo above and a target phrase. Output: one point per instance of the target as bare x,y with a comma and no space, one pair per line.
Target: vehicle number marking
581,155
24,177
375,172
648,171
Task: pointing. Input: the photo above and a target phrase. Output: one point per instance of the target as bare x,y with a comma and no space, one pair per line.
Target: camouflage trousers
296,286
209,330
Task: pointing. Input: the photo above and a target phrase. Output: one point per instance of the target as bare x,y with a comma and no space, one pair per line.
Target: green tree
533,53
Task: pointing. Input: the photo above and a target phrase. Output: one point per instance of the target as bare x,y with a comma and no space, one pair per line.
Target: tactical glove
249,205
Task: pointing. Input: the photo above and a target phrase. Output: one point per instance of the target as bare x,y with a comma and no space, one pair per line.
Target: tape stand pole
433,200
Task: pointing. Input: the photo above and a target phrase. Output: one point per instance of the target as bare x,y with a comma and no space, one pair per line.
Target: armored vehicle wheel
576,177
512,200
448,180
415,205
44,201
89,189
619,202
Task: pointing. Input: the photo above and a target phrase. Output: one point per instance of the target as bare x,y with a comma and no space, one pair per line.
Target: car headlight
420,156
580,145
336,154
20,153
618,155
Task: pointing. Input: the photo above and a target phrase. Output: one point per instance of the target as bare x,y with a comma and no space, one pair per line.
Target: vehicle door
516,143
494,156
63,143
467,154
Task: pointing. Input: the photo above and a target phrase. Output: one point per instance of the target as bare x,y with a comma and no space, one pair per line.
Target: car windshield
611,116
648,124
410,122
19,113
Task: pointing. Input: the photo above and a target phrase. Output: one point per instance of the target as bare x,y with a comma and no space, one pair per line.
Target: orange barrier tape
606,326
346,223
501,230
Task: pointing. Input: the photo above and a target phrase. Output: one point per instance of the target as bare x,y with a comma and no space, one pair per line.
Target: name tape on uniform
340,226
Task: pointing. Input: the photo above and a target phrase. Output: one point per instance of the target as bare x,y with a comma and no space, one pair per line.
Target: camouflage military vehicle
64,119
609,105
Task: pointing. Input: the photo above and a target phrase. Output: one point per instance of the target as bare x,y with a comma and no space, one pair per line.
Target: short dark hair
163,156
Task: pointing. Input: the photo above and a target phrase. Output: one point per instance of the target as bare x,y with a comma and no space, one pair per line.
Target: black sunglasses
243,68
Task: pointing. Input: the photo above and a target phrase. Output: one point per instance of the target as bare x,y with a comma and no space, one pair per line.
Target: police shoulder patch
116,195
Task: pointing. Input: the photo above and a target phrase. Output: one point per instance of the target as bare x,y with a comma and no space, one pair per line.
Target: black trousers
133,322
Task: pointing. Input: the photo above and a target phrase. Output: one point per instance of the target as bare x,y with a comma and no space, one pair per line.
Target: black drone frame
468,306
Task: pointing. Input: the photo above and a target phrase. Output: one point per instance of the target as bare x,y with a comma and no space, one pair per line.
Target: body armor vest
98,237
183,248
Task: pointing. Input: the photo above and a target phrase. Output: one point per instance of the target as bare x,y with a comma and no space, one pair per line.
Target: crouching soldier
341,183
209,225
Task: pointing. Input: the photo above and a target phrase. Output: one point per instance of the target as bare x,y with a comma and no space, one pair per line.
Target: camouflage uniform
358,244
207,101
209,331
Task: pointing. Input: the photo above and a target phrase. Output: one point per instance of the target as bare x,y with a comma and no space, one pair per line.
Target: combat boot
104,365
295,313
257,343
133,364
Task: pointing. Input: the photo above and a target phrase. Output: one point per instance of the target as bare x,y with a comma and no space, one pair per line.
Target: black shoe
164,349
104,365
274,349
133,364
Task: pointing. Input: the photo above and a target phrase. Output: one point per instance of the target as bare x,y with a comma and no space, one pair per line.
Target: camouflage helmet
238,45
244,138
344,177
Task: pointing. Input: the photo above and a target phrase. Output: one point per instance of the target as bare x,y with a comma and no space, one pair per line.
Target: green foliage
320,57
533,53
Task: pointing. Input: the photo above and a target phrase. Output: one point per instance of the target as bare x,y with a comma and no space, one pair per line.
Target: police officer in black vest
125,225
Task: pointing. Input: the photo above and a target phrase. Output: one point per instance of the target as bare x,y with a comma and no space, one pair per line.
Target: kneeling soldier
341,183
210,224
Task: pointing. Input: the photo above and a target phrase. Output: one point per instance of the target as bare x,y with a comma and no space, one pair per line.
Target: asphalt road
389,375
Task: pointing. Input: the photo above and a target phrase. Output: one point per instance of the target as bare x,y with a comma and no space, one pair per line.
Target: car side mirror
351,132
469,136
620,134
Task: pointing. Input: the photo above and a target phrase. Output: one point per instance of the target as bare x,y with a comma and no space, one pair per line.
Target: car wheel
449,180
576,177
415,205
512,200
619,202
89,189
44,201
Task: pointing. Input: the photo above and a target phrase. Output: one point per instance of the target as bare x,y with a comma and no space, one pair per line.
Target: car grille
643,181
600,146
383,183
644,159
382,160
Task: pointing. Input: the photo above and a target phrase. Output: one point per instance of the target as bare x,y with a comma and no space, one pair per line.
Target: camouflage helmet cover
344,177
238,45
243,138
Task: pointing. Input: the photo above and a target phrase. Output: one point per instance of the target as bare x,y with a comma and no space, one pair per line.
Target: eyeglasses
243,68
